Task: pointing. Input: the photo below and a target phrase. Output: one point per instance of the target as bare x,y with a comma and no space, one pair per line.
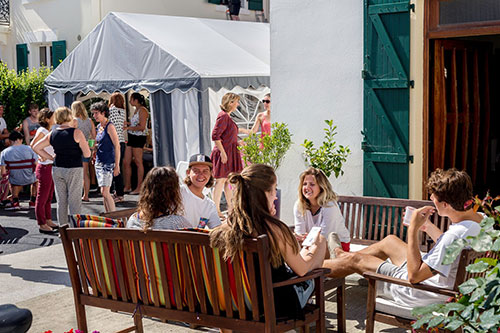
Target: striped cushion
94,221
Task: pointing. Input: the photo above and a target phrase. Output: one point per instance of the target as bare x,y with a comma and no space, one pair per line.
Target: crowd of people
61,143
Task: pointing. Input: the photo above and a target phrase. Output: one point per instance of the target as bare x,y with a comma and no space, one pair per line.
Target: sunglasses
266,101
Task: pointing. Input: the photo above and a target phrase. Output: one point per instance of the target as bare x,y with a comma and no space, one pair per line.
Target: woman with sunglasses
264,118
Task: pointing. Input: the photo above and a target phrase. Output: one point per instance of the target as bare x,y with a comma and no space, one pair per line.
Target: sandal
118,199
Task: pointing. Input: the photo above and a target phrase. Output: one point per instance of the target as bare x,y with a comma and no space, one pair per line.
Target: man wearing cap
199,210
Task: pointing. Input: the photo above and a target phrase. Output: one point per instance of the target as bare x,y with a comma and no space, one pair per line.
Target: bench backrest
171,269
122,214
370,219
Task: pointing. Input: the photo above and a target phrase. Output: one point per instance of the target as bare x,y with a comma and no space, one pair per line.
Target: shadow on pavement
12,236
54,277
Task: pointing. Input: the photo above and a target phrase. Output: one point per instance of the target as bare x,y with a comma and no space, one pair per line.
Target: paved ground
34,275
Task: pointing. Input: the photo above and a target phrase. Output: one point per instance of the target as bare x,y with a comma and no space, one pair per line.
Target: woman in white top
136,140
43,172
160,202
86,125
117,117
317,206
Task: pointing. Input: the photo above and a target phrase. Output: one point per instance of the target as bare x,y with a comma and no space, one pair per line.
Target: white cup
408,213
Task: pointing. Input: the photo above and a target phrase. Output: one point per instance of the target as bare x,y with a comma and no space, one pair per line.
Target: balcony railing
4,12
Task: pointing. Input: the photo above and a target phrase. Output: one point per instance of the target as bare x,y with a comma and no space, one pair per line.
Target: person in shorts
108,153
451,192
19,163
4,132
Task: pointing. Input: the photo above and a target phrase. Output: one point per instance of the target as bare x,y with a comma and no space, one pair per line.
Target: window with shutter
58,52
217,2
22,57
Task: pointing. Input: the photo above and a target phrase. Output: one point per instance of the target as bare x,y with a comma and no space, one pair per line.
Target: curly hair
160,195
250,216
326,194
451,186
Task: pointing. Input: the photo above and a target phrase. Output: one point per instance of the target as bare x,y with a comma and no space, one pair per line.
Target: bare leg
86,181
348,263
228,192
127,171
109,203
137,153
33,189
390,247
15,191
219,186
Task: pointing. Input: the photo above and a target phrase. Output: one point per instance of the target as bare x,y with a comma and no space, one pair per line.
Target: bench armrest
405,283
315,273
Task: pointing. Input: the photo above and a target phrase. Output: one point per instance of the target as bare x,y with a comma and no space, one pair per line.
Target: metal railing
4,12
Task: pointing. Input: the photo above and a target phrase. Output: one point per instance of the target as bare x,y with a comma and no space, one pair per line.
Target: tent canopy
154,52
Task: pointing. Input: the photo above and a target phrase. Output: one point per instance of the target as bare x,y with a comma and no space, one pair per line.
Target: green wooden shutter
386,98
255,5
217,2
22,57
58,52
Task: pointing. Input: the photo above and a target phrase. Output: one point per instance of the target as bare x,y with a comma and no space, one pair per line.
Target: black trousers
117,185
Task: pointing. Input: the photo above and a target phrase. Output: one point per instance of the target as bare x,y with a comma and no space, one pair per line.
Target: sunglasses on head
266,101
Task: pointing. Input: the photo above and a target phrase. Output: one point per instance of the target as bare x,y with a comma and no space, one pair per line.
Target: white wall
34,21
316,63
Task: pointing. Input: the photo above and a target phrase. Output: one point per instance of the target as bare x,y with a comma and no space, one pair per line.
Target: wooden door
460,107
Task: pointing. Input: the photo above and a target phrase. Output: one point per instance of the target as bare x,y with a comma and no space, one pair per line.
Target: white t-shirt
329,218
3,124
196,208
446,273
49,149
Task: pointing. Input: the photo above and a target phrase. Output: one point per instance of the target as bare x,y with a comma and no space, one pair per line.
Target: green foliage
17,92
477,307
328,157
269,149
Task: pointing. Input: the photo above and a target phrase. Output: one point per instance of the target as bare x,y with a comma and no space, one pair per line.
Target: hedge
17,92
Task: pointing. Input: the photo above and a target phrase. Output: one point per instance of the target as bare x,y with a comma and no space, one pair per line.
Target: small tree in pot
268,149
328,157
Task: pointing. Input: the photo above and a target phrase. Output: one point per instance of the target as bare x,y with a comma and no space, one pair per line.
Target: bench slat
90,268
79,260
175,276
186,276
120,271
163,274
109,267
99,267
141,276
152,272
209,253
226,286
130,273
198,277
239,287
253,284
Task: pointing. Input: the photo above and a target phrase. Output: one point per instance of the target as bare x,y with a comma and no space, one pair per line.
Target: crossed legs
368,259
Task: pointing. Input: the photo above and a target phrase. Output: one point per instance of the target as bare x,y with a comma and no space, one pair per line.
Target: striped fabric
94,221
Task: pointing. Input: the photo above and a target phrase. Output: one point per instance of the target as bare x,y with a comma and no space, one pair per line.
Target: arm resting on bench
297,279
405,283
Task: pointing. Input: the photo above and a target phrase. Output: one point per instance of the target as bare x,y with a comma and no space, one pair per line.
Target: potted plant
328,157
268,149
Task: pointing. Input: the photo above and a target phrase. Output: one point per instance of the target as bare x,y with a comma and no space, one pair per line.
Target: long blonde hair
79,111
250,216
227,99
326,193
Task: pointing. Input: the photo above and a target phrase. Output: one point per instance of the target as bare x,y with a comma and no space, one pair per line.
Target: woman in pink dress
264,118
225,155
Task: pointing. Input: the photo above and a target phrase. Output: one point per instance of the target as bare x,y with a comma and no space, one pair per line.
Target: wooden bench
122,214
176,275
370,219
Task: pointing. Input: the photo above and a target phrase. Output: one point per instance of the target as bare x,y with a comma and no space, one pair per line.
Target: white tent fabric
176,59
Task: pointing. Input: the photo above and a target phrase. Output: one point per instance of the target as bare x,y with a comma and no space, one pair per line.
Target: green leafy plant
268,149
328,157
17,91
477,307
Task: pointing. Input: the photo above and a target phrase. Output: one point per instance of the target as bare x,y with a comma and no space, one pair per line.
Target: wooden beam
452,116
439,112
465,110
476,119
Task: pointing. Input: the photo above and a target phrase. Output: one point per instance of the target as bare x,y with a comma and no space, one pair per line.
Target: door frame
432,30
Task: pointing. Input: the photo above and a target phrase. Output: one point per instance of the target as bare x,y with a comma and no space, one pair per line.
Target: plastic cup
408,213
91,143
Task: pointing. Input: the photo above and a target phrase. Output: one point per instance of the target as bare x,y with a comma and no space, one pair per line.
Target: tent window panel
466,11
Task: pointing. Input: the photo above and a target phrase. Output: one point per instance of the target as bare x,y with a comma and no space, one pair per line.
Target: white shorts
104,174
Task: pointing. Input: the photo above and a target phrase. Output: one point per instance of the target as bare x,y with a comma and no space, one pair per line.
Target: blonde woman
317,206
84,124
225,155
69,145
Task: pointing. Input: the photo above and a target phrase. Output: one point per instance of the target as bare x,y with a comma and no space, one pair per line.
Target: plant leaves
489,319
453,250
468,286
482,242
454,324
422,310
478,267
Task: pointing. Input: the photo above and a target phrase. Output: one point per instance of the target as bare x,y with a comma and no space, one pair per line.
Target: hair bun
235,178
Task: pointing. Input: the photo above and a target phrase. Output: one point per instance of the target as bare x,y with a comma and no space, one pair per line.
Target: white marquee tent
178,60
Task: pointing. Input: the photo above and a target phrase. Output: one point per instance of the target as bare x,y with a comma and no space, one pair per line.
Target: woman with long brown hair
253,215
117,117
160,202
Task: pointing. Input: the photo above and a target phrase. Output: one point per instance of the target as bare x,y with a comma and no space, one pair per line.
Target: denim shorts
104,174
85,159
